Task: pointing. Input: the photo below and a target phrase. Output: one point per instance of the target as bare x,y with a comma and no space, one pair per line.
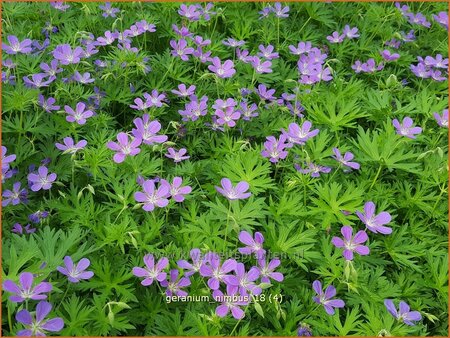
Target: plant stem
376,177
226,229
63,297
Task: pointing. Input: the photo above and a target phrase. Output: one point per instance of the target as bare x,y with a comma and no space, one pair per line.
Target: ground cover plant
224,169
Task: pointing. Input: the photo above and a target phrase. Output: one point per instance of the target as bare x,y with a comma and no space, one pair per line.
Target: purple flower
366,67
66,55
151,196
75,273
191,12
267,52
350,33
177,156
42,180
230,302
180,49
299,135
393,43
302,47
406,128
274,148
408,37
279,11
437,62
346,159
351,244
264,93
244,55
124,147
183,32
39,325
403,315
442,19
52,69
151,271
248,111
69,145
442,120
194,109
15,196
313,169
388,56
418,19
217,273
421,70
174,285
85,78
233,43
265,12
79,115
59,5
233,193
183,91
227,116
15,46
108,38
26,290
375,223
200,42
48,105
325,298
147,130
177,191
244,281
260,66
6,160
197,262
267,270
19,229
304,330
224,70
108,10
155,99
38,216
253,245
335,37
37,80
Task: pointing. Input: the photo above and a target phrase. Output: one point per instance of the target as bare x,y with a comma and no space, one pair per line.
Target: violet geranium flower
69,146
151,271
180,49
375,223
325,298
38,326
403,315
177,191
6,160
14,196
48,105
66,55
274,148
79,115
197,262
351,243
42,180
124,147
177,156
174,285
345,160
406,128
300,135
230,302
151,196
253,245
267,270
19,229
233,193
75,273
313,169
224,70
15,46
244,282
26,290
217,273
147,130
388,56
442,119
